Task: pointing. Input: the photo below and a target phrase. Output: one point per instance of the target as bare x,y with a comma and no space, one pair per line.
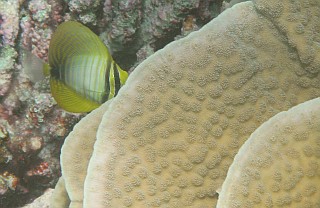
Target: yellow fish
82,73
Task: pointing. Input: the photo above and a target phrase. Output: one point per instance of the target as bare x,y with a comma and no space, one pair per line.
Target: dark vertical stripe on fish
55,73
107,86
116,79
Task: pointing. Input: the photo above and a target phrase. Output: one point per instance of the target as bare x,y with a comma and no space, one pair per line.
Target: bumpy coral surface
172,132
60,197
32,127
76,152
278,166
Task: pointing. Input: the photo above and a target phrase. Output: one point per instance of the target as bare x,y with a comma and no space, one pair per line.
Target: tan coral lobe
278,166
171,134
60,198
213,89
75,155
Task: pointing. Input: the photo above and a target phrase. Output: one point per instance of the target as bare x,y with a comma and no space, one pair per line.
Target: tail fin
34,67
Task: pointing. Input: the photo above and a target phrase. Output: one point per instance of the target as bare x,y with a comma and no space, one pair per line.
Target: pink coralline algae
5,81
152,21
135,27
85,10
9,21
38,21
33,129
32,126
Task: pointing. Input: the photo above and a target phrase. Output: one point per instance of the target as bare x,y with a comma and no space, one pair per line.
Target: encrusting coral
35,125
76,152
60,197
279,165
170,135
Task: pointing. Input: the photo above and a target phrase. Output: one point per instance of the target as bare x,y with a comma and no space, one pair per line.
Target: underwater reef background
32,126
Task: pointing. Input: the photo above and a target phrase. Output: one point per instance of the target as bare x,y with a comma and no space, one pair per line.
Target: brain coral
169,137
279,165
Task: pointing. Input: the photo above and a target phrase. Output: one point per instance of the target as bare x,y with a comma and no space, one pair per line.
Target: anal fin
70,100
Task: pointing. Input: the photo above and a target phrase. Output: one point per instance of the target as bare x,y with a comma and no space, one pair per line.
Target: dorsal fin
74,39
